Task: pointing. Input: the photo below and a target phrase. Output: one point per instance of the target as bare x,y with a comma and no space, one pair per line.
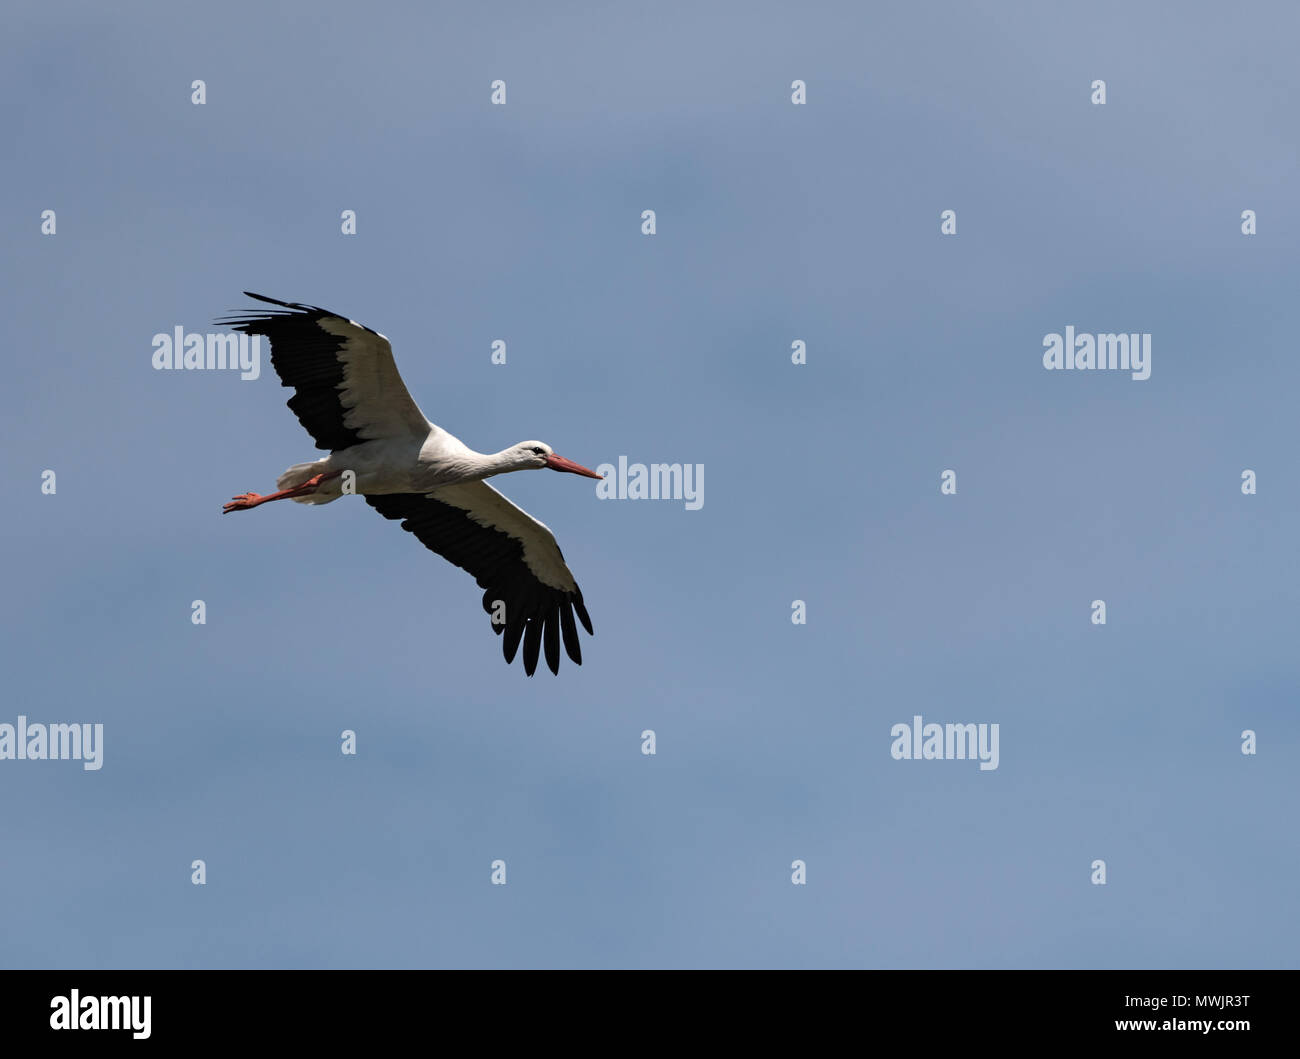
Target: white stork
350,397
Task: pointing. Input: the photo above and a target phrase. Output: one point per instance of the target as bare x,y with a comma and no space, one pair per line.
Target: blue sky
775,223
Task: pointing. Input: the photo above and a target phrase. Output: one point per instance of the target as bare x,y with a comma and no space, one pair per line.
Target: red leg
245,501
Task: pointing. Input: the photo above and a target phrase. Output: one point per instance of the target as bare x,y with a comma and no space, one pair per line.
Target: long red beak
559,463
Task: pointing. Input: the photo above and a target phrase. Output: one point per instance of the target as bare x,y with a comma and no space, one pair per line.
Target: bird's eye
537,450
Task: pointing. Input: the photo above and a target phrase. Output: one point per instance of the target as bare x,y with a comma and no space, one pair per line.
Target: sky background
775,223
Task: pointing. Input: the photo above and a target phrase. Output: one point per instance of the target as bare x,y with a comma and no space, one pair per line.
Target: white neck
484,465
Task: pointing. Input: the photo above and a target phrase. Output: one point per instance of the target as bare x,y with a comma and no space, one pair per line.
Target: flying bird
352,401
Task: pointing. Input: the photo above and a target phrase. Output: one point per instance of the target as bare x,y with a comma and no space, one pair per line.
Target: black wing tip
532,644
296,306
583,616
511,644
267,298
541,632
290,309
263,316
538,617
551,640
572,646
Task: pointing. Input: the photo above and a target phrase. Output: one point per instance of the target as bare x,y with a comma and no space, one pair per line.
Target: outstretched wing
346,383
512,556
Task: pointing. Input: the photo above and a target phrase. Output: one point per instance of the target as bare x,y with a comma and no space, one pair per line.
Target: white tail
299,473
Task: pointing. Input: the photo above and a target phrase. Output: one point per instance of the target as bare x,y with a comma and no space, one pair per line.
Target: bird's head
534,455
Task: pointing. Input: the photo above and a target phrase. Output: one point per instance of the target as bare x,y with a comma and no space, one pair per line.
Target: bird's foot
242,503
